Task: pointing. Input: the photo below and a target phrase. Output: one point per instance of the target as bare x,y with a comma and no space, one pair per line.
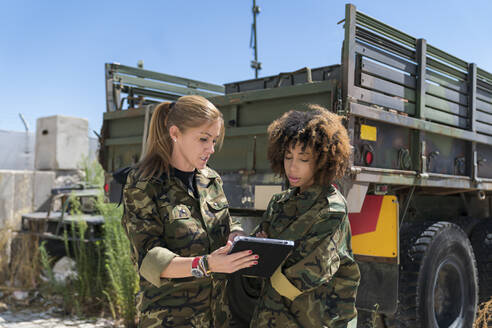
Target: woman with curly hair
317,284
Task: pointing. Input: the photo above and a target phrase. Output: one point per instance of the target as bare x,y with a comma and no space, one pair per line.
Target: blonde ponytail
186,112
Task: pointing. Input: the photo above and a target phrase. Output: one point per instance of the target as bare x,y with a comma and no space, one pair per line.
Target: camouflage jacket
162,220
317,284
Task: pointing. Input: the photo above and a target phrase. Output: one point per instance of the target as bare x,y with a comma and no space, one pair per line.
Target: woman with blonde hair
176,217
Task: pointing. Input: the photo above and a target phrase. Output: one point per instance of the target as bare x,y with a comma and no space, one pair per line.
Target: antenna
255,64
26,126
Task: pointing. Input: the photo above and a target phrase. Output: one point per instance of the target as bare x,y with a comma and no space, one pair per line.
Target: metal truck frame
418,190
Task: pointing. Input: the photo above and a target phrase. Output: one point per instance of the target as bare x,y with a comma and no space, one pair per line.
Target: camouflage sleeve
318,252
235,224
145,229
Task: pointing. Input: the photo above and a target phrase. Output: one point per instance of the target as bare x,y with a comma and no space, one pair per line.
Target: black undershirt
188,179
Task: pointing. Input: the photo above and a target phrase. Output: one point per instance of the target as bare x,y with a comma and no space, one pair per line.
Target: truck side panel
440,105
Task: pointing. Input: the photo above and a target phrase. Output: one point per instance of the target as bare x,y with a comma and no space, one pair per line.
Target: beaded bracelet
207,267
204,266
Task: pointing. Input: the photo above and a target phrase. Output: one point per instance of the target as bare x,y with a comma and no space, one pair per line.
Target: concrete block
43,182
23,191
7,188
61,142
45,144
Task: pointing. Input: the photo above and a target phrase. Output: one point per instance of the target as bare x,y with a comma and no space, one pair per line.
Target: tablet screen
271,252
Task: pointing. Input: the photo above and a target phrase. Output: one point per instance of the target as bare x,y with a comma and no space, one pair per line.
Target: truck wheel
438,278
481,239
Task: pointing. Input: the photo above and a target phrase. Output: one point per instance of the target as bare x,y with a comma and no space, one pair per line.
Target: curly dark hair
317,129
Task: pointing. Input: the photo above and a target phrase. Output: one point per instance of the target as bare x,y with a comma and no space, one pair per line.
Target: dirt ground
34,311
31,310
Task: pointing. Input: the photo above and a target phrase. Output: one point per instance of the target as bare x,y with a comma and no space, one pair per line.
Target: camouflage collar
305,200
205,177
287,194
208,173
312,193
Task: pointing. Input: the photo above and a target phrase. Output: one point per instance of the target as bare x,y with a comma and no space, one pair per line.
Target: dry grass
21,269
5,237
484,317
24,264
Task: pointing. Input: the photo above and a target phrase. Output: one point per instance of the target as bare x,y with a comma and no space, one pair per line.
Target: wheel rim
449,295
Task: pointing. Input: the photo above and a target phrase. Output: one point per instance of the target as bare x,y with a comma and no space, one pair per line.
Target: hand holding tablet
272,252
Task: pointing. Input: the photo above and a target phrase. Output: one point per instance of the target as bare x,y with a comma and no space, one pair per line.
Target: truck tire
438,278
481,239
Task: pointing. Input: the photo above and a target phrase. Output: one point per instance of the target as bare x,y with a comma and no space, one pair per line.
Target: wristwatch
195,269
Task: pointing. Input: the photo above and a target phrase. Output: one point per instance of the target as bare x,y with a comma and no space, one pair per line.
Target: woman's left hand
233,234
261,234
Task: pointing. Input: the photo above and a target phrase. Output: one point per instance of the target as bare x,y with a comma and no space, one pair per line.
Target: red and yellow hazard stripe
375,228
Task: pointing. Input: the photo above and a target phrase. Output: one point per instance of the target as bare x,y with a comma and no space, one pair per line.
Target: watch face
197,273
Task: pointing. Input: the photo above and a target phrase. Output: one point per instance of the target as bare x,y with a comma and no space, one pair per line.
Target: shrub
106,277
484,316
19,259
123,279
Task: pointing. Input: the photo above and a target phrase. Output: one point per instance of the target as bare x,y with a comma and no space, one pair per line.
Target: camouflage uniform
317,284
163,220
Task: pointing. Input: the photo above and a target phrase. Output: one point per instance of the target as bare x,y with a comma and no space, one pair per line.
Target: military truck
420,179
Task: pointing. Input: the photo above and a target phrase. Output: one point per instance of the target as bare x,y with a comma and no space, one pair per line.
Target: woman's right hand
220,261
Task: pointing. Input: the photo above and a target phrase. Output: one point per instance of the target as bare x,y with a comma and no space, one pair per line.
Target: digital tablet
272,253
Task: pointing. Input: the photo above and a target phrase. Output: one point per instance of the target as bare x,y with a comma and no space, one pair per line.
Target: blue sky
52,53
